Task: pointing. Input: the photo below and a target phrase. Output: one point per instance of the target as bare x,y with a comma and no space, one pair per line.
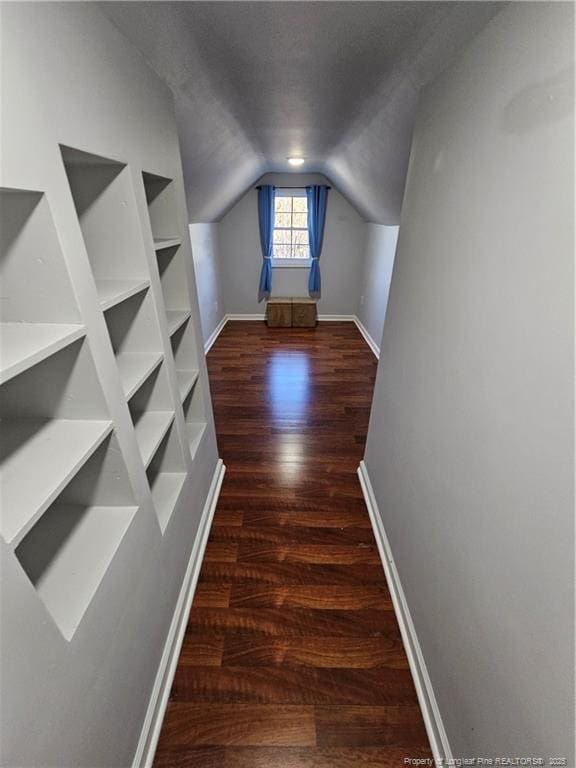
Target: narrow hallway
292,656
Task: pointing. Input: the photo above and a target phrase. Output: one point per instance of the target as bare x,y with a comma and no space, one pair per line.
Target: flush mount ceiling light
296,160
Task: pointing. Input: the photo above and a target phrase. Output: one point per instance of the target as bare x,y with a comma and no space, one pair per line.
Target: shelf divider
112,292
186,380
176,319
150,428
166,242
135,369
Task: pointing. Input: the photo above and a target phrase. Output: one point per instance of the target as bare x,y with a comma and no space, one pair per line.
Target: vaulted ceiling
334,82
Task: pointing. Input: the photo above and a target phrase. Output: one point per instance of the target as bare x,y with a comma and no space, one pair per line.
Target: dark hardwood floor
292,656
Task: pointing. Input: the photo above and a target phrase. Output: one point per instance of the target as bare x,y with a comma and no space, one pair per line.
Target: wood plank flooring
292,656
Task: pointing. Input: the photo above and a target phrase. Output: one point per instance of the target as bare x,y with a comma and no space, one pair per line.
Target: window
291,228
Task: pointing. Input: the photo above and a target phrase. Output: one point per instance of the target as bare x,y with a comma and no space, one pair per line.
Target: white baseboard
432,719
321,318
246,317
335,318
148,741
367,338
214,335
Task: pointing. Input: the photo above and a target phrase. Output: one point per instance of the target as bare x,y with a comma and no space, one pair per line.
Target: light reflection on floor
288,375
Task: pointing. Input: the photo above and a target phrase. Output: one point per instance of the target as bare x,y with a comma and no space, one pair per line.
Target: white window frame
291,263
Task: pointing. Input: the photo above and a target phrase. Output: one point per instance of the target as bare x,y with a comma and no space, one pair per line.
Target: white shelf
166,487
186,380
194,432
135,369
112,292
23,345
67,554
39,459
150,430
166,242
176,319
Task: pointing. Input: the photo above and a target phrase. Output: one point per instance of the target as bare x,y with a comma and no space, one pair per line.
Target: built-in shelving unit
63,524
101,505
67,496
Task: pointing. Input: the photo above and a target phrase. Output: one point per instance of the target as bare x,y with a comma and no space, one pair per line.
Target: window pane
300,236
291,211
300,204
282,251
301,252
300,220
283,204
282,219
282,236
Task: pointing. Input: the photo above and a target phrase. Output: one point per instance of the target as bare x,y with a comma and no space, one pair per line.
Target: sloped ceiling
334,82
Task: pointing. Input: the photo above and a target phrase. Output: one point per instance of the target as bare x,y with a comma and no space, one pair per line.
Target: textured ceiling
335,82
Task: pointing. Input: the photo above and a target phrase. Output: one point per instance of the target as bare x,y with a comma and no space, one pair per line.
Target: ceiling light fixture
296,160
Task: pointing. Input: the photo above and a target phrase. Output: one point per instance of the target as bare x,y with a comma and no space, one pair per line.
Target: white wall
340,262
377,265
206,256
70,77
470,446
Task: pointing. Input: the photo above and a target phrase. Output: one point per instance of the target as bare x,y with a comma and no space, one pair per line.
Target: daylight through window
291,226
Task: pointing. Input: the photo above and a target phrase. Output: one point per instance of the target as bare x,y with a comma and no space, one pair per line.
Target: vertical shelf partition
161,202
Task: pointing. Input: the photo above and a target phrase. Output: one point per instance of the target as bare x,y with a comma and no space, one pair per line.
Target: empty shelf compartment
165,487
67,554
38,458
151,427
23,345
194,432
186,380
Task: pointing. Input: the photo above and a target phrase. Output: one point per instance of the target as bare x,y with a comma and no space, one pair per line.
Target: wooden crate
279,312
303,312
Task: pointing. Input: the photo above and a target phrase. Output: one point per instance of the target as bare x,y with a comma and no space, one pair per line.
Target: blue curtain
317,200
266,221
